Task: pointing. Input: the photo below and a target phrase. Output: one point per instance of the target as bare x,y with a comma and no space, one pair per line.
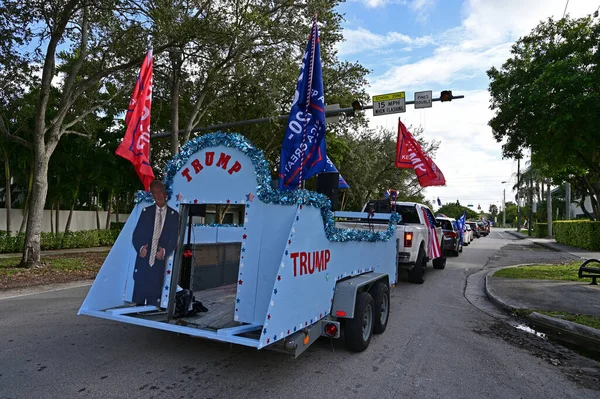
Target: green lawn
566,272
590,321
55,269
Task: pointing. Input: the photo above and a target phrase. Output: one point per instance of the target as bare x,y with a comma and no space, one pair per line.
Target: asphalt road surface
444,340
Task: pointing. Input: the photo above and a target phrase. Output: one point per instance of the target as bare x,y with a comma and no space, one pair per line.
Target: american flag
433,244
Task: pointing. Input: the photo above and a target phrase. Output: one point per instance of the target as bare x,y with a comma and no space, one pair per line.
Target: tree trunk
175,83
37,199
8,196
51,214
70,217
27,200
549,209
117,210
98,217
109,210
57,229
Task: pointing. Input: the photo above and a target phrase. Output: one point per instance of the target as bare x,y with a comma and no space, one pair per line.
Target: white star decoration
293,229
281,335
242,265
282,265
236,317
272,303
246,220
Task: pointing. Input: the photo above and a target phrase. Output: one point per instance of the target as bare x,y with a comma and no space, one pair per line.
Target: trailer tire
439,263
359,329
381,306
417,273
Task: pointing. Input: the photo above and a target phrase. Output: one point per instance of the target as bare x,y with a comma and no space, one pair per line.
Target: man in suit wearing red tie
154,239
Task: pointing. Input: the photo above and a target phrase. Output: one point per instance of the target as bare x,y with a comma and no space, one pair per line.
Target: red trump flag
136,143
409,154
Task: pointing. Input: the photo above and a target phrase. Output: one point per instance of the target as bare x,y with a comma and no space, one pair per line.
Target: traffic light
446,95
356,106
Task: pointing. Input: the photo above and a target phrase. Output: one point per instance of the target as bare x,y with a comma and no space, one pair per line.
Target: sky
418,45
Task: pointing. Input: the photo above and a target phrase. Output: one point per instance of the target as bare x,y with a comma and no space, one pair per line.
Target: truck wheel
439,263
417,274
381,306
359,329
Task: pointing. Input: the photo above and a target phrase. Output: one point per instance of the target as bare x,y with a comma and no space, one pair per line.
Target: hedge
578,233
541,230
72,239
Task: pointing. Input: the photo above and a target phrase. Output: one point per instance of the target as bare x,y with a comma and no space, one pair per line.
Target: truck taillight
331,329
408,236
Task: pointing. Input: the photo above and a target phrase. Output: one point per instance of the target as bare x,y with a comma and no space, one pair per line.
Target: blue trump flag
303,150
461,224
330,167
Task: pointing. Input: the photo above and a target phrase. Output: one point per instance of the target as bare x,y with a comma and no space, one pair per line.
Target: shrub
72,239
541,230
578,233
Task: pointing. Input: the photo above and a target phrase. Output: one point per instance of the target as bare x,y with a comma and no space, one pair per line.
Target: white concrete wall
81,220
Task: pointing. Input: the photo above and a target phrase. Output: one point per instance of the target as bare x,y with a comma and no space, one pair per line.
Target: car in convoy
451,241
469,230
412,232
467,238
475,229
484,228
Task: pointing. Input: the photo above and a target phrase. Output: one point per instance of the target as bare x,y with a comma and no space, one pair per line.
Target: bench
593,272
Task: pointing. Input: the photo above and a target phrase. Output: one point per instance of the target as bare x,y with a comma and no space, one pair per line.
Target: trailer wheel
439,263
417,273
359,329
381,306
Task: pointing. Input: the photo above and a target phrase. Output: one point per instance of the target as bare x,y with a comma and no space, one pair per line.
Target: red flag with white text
409,154
136,143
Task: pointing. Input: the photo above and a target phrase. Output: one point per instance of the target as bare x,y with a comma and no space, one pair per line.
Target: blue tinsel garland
264,190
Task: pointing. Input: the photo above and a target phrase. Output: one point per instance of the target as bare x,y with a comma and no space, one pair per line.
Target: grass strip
567,272
586,320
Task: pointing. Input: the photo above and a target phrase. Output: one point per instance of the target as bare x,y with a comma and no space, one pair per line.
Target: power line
566,5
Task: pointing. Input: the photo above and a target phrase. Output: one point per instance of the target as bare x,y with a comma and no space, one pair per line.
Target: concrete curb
515,234
574,333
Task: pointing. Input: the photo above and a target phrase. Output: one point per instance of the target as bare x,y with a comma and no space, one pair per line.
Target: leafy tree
455,211
547,96
99,38
368,165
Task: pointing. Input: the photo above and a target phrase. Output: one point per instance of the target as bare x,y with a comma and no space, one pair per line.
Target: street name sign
423,99
391,103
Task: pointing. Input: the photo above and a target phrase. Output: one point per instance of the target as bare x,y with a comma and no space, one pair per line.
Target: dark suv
451,240
484,228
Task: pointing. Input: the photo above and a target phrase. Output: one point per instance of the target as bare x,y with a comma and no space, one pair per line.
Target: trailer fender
344,298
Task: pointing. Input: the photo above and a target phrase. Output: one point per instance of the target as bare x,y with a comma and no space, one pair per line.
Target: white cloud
361,39
444,67
469,157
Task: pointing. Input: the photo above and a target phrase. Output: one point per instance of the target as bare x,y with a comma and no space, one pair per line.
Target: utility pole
530,222
568,200
518,199
549,209
504,205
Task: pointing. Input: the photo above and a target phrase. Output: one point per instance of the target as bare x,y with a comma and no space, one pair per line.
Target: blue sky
414,45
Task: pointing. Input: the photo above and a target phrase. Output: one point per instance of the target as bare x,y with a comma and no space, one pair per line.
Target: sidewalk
575,297
60,252
552,244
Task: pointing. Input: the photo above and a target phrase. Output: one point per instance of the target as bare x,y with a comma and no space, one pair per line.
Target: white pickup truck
412,233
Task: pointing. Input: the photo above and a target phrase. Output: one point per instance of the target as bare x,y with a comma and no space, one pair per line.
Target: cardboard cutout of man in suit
154,239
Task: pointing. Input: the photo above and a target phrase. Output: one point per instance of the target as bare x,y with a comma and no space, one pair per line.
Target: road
444,340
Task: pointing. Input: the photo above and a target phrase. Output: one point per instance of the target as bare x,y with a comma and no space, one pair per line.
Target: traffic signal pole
333,112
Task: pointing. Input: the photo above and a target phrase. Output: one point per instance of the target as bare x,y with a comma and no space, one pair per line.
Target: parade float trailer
280,278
